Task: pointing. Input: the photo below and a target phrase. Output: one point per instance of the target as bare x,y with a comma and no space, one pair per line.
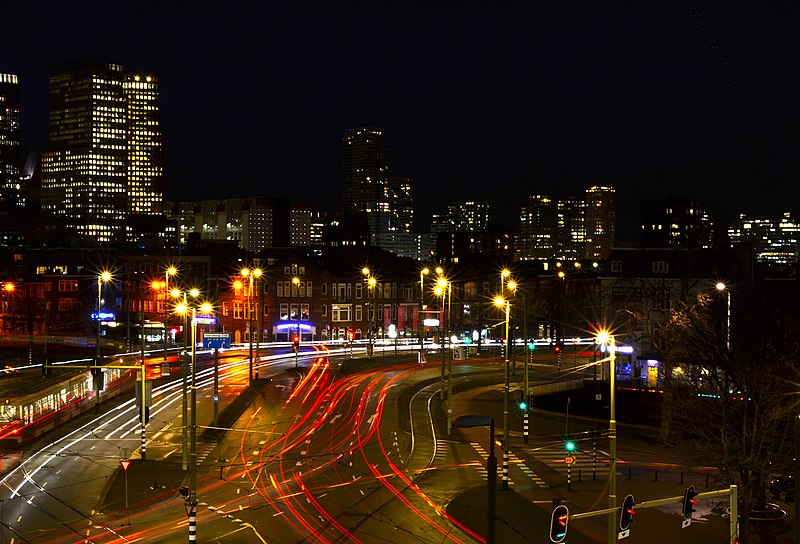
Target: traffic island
518,519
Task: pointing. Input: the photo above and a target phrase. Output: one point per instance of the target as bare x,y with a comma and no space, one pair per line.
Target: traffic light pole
505,407
612,445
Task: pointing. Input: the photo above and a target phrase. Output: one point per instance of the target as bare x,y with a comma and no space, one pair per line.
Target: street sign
217,340
103,316
215,397
569,459
125,464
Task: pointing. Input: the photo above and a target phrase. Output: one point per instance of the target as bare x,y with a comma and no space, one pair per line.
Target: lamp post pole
612,437
422,273
193,443
505,405
171,271
722,287
250,321
259,314
97,372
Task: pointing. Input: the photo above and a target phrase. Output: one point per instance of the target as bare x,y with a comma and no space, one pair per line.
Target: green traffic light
570,446
523,405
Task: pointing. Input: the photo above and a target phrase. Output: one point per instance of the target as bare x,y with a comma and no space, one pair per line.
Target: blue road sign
217,340
215,397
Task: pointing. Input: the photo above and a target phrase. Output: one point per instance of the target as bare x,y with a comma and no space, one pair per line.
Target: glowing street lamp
205,309
251,275
171,271
422,273
296,345
183,309
97,372
722,287
504,302
604,337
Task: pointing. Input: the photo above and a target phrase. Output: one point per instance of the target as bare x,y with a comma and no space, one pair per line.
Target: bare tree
735,399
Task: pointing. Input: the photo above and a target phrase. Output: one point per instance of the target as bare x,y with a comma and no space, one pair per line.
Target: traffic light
184,491
557,349
688,505
569,446
523,405
559,522
296,342
626,515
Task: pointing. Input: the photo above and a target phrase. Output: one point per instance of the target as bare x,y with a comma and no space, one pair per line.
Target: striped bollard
505,468
525,427
144,444
569,476
192,523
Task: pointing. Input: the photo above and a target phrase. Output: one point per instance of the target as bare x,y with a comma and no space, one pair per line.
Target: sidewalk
153,481
523,511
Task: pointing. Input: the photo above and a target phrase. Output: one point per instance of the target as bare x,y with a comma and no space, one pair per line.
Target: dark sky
491,101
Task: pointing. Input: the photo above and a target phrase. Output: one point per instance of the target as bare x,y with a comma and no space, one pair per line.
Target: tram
26,415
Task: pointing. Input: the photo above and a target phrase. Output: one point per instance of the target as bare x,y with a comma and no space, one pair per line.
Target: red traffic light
559,523
627,513
557,349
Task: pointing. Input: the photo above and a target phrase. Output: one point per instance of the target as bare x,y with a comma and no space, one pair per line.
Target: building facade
677,223
104,160
775,240
255,223
600,222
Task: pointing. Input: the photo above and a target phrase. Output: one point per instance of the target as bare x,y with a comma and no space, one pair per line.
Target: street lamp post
296,288
257,273
171,271
205,310
604,337
97,372
500,301
722,287
183,309
422,273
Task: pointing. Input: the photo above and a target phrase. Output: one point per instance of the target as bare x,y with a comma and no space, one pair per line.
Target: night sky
491,101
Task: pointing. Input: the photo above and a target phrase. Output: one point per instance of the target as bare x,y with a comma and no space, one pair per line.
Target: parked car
782,487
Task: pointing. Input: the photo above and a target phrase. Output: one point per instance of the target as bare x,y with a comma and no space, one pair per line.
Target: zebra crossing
515,462
586,463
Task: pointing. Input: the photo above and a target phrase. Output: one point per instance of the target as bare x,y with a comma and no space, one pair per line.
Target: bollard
681,477
629,473
579,475
706,479
656,475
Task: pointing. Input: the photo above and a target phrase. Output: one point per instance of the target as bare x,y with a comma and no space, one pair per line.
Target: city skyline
474,104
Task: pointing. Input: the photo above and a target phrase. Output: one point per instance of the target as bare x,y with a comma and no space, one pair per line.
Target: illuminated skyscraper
145,152
12,198
365,179
9,130
104,162
600,222
552,228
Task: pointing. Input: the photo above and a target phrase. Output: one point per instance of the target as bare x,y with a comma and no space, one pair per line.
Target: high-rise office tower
571,238
104,161
537,228
678,223
552,228
600,222
12,197
9,130
365,176
145,144
470,216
